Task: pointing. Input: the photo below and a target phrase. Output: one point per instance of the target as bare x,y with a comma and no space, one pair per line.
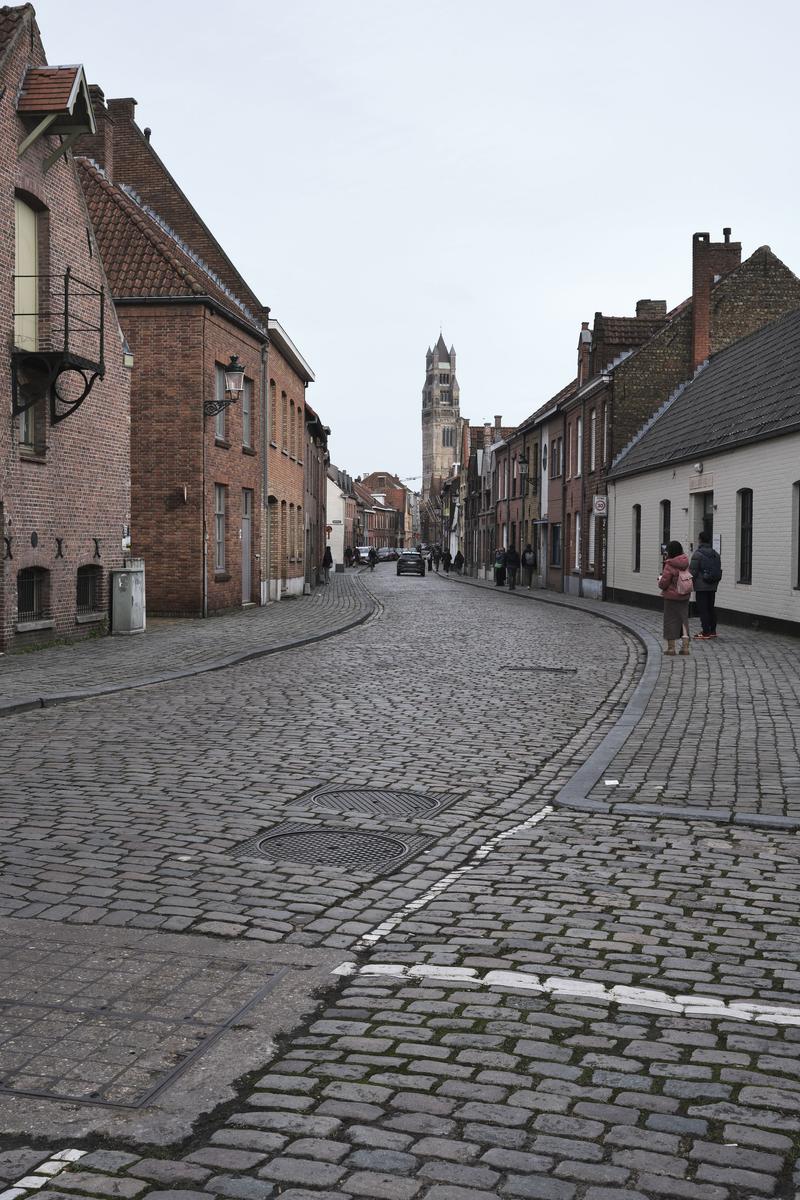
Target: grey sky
505,169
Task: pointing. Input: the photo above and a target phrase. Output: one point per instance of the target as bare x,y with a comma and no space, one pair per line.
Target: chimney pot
726,233
498,422
147,132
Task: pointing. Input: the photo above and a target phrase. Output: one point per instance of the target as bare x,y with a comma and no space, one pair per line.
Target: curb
218,664
573,795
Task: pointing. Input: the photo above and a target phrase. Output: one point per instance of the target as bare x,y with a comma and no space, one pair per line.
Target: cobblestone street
491,986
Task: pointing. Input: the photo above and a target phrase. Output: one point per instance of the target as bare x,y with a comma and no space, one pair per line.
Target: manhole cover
394,804
325,847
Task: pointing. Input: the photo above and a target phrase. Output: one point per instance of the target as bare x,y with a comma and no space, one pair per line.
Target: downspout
265,509
203,489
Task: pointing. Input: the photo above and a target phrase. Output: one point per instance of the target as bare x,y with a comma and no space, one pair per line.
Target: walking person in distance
675,582
327,563
528,564
706,570
512,566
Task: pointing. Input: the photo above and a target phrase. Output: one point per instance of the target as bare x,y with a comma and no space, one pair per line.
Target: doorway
247,545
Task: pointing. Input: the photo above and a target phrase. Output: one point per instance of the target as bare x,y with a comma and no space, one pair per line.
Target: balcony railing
59,341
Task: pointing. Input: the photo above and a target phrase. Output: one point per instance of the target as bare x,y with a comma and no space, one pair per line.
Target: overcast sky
376,169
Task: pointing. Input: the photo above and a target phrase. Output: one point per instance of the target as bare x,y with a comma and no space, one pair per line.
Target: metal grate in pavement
326,846
378,802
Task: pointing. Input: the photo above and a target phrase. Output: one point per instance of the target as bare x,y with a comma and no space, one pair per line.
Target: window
219,418
605,433
247,413
577,541
592,536
33,594
744,514
299,547
291,531
555,545
593,440
568,454
219,526
292,430
556,457
273,413
445,397
666,521
579,447
444,379
447,435
26,315
284,422
636,564
88,590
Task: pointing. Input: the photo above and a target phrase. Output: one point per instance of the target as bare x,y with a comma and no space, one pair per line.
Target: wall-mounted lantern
234,386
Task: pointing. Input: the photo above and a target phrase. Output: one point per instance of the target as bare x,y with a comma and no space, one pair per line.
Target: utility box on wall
128,613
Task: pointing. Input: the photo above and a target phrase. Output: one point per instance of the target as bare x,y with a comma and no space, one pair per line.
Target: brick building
65,452
218,488
393,493
316,461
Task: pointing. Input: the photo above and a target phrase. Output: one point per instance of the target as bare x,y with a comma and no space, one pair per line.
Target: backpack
684,584
711,570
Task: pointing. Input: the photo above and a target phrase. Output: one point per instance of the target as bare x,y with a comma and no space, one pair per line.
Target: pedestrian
458,561
348,557
675,582
500,567
327,563
512,566
528,564
446,560
430,561
372,558
706,569
437,558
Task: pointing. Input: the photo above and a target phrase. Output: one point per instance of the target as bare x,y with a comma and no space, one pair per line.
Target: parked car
411,562
388,554
363,553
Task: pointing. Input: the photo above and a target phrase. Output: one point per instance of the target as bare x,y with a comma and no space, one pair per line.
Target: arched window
273,413
636,564
284,422
89,587
292,430
33,594
744,521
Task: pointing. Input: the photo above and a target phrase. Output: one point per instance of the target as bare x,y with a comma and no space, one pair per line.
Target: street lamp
234,378
522,463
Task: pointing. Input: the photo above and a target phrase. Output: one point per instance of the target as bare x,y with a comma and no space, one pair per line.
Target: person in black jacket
706,570
512,566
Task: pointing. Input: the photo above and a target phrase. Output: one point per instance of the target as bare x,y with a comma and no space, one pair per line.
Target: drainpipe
265,509
203,489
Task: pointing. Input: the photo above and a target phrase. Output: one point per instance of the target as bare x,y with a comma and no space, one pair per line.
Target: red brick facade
64,495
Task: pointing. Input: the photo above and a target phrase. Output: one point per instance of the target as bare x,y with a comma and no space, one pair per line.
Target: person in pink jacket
676,586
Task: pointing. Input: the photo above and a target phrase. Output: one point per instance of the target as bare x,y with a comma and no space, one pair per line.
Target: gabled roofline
279,336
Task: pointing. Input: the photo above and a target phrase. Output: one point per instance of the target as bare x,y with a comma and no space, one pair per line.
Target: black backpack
711,567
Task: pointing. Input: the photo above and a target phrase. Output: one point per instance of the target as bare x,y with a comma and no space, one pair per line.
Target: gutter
255,331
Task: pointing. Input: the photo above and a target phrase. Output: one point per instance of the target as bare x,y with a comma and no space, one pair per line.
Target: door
247,545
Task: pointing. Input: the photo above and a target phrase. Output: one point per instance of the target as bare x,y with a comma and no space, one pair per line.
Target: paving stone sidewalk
174,648
720,729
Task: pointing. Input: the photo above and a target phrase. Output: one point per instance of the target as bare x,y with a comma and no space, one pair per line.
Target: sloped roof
139,256
746,393
50,89
10,20
441,346
565,394
630,331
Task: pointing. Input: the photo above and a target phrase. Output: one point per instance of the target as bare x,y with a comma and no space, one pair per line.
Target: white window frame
247,414
219,417
592,538
577,527
593,440
579,448
220,506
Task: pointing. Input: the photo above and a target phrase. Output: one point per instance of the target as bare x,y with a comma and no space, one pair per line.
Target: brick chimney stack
99,146
498,425
710,261
584,353
651,308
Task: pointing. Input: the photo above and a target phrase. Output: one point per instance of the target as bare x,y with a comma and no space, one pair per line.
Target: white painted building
336,505
722,454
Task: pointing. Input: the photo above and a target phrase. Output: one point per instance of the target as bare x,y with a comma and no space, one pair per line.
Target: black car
387,554
411,562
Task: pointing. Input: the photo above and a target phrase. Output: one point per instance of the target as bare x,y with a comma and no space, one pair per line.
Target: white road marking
692,1005
380,931
43,1174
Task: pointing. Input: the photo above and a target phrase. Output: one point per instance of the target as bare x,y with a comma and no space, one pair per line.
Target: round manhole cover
333,848
396,804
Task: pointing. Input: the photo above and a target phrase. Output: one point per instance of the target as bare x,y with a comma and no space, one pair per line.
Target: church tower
440,418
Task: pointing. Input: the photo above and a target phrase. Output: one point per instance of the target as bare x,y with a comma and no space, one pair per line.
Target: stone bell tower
440,418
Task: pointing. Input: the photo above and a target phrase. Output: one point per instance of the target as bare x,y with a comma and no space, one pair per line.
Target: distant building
441,433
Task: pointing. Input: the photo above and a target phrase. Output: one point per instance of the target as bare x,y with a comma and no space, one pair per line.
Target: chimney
123,109
584,352
651,308
99,146
710,261
487,434
498,424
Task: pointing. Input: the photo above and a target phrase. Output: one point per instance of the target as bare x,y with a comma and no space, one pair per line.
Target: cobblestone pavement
540,1003
720,729
179,647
